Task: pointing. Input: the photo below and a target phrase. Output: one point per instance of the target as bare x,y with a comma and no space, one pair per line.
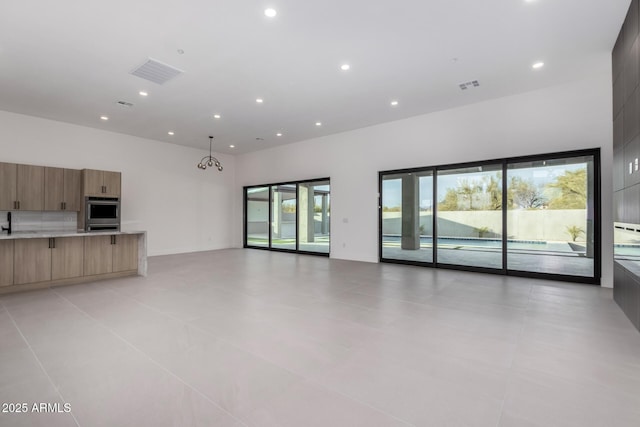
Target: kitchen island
41,259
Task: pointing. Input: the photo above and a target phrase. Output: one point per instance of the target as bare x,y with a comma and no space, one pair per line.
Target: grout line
40,364
150,358
510,374
303,378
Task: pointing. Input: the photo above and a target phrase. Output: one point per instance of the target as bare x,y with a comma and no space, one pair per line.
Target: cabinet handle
49,243
15,204
18,204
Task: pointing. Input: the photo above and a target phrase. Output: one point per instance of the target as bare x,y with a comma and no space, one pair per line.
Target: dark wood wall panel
625,63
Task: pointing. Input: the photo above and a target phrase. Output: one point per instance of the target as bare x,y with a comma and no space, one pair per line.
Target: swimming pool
449,242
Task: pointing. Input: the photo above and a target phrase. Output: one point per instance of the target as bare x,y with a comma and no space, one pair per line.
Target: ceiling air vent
465,86
124,104
156,71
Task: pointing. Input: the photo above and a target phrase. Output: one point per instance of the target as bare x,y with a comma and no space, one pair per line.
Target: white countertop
52,234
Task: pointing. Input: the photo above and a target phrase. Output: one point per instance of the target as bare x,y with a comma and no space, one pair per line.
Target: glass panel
258,216
626,246
407,216
550,216
283,216
313,216
470,216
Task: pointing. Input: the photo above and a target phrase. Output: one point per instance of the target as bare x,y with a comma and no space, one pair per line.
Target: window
292,216
407,216
535,216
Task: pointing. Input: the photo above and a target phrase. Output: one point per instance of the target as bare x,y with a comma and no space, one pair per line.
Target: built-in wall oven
102,214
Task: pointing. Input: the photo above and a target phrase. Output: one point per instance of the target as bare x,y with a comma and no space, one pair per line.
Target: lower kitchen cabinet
67,258
31,261
110,254
6,262
125,252
98,255
34,263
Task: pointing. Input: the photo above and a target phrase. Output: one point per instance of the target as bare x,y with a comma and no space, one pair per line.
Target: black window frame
597,267
297,250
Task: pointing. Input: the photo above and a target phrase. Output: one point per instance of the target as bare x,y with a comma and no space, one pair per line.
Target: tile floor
248,337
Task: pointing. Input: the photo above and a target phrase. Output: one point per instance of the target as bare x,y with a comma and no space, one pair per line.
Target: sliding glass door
550,216
407,216
257,216
469,216
534,216
313,216
284,203
292,216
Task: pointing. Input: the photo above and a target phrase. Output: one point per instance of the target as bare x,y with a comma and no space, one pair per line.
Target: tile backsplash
40,221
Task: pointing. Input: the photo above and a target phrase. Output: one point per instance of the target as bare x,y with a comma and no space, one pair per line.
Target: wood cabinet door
93,182
6,262
98,255
125,253
31,261
53,189
8,176
72,190
112,184
30,188
67,258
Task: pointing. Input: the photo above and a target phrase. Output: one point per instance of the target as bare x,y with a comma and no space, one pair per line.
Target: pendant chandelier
209,160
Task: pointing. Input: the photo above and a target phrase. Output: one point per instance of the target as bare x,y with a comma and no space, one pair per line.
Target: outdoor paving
554,263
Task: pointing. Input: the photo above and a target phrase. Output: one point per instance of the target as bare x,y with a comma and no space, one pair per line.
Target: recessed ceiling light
318,123
105,118
345,67
278,134
143,93
259,100
394,103
232,146
216,116
270,12
538,65
170,133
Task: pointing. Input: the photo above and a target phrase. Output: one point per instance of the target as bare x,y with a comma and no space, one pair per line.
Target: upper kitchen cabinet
98,183
8,176
30,188
63,190
21,187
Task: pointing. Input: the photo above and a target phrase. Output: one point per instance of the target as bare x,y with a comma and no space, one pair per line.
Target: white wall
182,208
572,116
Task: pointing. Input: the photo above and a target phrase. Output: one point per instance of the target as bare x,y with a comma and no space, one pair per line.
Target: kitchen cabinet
98,255
37,262
30,188
67,257
97,183
62,189
110,254
8,177
6,262
125,252
31,261
53,189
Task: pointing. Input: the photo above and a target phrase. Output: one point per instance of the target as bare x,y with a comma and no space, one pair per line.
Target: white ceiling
69,60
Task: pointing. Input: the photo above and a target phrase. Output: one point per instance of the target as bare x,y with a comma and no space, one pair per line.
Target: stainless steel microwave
102,213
